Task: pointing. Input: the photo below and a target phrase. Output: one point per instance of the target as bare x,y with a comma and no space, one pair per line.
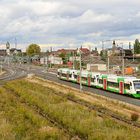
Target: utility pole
1,67
90,57
123,66
44,61
123,54
15,43
133,53
47,65
102,45
51,59
80,71
108,63
73,61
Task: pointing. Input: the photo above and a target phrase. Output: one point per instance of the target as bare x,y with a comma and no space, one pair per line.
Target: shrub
134,116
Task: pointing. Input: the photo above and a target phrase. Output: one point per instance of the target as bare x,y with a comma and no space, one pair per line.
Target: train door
67,76
78,79
105,84
121,86
60,74
89,80
72,76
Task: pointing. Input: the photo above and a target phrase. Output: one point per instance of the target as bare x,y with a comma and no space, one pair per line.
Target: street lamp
123,54
80,70
133,53
107,54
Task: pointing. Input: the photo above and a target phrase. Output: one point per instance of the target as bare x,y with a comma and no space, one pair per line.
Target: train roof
116,76
130,77
63,69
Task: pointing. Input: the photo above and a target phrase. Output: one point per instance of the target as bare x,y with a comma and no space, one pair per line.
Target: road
12,73
22,70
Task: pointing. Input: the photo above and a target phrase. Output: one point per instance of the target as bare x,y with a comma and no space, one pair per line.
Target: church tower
113,46
8,48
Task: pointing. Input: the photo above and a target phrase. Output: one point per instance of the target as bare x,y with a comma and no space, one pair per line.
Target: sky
69,23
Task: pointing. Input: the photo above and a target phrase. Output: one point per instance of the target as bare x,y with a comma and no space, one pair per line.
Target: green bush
134,116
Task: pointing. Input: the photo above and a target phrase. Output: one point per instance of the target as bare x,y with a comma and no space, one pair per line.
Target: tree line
34,49
137,47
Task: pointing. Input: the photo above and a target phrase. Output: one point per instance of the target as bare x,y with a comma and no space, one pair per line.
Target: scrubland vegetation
21,120
18,121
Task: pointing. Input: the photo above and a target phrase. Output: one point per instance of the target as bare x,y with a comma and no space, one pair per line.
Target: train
125,85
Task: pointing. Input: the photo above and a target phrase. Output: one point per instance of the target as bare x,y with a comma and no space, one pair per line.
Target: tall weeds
78,119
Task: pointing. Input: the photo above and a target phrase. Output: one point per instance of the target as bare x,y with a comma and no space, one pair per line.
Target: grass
18,121
117,107
77,119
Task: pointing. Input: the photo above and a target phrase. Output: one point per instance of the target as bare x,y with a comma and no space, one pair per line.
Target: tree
33,49
103,55
63,56
137,46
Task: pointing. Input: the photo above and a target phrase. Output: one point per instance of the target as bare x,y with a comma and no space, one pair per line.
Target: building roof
85,50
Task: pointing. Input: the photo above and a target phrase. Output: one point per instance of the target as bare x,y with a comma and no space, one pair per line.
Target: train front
136,87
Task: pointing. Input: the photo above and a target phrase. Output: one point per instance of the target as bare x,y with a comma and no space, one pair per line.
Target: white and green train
114,83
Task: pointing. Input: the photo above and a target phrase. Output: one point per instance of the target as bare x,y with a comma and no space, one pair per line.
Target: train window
126,86
93,79
113,84
70,75
100,81
84,78
64,75
58,73
75,76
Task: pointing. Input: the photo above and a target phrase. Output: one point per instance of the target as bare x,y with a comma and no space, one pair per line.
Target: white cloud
68,22
90,16
92,35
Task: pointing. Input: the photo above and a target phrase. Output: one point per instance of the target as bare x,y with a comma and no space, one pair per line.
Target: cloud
90,16
68,22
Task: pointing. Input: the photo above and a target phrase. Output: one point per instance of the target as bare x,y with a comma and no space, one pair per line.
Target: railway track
38,71
45,115
11,74
102,112
123,98
16,73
